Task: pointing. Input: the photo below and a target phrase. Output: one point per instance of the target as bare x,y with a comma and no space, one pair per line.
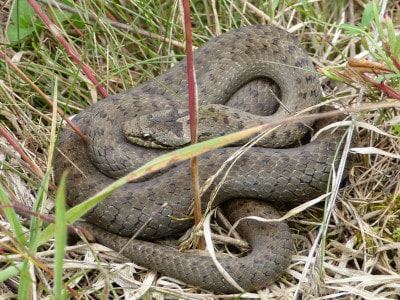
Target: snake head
161,130
145,139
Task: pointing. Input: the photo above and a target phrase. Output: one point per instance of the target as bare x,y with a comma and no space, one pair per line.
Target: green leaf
368,15
16,33
396,129
22,14
351,29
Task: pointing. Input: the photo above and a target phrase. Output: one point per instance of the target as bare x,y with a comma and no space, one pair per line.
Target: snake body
224,66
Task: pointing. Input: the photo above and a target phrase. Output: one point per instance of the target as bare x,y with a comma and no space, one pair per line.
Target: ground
345,249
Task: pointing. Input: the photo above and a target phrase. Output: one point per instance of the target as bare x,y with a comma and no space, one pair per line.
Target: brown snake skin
278,176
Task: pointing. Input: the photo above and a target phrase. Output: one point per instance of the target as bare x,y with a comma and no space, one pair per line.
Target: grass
360,257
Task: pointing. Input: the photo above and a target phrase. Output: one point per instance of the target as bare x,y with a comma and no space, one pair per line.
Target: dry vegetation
347,249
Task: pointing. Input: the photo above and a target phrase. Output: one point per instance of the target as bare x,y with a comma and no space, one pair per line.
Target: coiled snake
224,68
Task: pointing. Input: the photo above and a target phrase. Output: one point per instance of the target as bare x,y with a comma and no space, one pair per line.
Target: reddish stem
193,115
40,92
395,62
71,52
21,152
383,87
190,73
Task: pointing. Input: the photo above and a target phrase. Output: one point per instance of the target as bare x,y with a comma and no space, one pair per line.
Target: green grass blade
12,217
60,241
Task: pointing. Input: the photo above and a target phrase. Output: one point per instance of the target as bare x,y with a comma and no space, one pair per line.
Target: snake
128,129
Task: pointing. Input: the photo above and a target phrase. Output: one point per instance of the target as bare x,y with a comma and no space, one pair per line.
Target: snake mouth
148,140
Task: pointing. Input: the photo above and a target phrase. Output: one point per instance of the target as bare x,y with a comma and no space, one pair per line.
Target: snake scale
224,67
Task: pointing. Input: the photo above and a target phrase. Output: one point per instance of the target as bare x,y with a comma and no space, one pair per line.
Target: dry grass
358,257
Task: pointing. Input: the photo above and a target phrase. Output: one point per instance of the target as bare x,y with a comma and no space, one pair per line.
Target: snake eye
147,135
